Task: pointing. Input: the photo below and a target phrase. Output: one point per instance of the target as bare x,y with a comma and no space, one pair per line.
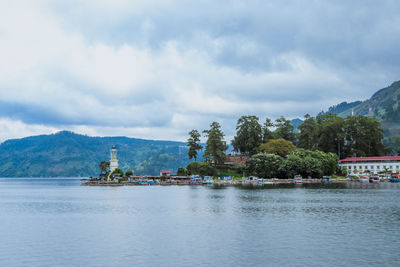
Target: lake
57,222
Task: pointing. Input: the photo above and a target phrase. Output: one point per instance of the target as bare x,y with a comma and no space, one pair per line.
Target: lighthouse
113,159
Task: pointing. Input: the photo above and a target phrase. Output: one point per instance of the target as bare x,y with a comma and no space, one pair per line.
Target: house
373,165
165,173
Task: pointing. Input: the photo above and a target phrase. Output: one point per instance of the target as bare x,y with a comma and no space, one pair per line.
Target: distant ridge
67,154
384,105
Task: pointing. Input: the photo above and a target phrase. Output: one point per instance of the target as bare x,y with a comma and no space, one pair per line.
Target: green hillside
68,154
384,105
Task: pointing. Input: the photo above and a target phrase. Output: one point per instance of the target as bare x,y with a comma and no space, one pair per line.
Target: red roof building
356,165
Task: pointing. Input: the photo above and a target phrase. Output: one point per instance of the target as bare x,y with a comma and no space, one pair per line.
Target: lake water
57,222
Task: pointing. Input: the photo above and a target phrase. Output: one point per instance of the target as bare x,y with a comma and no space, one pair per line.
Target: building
113,159
370,164
165,173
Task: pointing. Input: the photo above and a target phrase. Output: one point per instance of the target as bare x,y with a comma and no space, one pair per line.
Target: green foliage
215,145
363,136
279,147
200,168
311,163
284,129
181,172
193,144
128,173
308,136
264,165
267,132
396,139
248,135
117,171
104,165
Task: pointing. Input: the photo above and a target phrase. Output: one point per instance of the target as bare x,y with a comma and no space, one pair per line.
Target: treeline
274,148
351,136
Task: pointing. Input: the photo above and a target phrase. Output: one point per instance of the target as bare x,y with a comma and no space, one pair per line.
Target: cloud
157,69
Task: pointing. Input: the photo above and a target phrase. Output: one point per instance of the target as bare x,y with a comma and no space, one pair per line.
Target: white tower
113,159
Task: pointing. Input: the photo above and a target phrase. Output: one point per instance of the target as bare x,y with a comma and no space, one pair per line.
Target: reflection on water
56,222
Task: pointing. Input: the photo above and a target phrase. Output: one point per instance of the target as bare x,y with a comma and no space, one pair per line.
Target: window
365,167
360,167
349,167
372,167
390,167
378,167
397,167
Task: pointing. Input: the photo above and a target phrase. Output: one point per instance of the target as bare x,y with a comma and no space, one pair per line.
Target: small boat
326,179
395,178
143,182
364,179
195,180
298,179
374,179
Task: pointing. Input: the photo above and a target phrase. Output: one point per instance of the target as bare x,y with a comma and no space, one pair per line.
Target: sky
156,69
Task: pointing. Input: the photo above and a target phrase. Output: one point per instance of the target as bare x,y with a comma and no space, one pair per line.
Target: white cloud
59,58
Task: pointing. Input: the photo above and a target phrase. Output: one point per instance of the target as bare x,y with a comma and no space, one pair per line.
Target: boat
298,179
143,182
374,179
208,180
364,179
326,179
395,178
195,180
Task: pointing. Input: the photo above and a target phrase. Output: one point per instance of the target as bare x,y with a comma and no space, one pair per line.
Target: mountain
383,105
296,123
67,154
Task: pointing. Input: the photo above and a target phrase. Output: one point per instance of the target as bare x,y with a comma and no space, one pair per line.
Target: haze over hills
66,154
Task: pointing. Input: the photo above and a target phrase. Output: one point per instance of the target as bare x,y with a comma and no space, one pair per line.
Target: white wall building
371,164
113,159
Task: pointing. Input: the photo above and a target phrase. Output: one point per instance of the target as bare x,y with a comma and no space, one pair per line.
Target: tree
264,165
215,145
128,173
193,144
284,129
248,135
181,172
117,171
104,165
308,136
200,168
396,139
279,147
267,133
363,136
331,133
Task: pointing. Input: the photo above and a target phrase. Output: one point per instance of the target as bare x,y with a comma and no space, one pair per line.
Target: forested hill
384,105
66,154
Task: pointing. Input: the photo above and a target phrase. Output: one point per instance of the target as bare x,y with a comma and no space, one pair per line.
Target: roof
385,158
165,171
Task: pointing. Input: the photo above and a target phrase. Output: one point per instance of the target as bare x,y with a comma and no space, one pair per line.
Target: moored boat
298,179
195,180
395,178
374,179
364,179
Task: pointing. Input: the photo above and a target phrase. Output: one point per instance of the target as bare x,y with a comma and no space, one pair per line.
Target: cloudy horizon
157,69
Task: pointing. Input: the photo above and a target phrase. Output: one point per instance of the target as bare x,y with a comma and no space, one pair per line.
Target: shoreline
217,182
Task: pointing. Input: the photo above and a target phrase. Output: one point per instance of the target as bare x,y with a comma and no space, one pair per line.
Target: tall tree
193,144
104,165
248,135
268,134
284,129
308,136
363,136
215,145
396,140
331,133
